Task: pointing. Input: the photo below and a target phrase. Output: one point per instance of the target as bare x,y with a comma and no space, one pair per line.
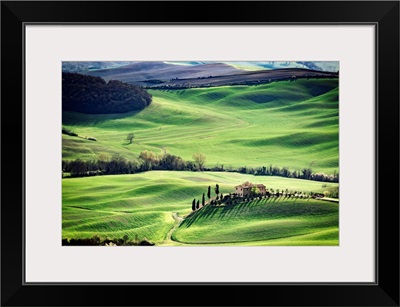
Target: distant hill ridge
157,74
88,94
247,78
142,72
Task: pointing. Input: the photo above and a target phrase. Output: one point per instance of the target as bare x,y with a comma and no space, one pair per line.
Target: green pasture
272,221
284,124
142,206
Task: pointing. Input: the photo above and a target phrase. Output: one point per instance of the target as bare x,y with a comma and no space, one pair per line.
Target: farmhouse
246,189
243,190
261,189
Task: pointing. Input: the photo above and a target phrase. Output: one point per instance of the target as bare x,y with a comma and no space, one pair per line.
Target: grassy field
142,206
286,124
263,222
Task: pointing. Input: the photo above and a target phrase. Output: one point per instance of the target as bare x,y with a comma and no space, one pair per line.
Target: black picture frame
383,14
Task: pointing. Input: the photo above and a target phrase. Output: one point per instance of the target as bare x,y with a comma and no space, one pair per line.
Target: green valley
285,124
269,146
142,206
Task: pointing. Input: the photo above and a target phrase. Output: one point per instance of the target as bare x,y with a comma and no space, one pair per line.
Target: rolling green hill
285,124
143,206
263,222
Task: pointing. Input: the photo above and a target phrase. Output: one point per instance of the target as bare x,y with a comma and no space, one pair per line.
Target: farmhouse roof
243,186
250,185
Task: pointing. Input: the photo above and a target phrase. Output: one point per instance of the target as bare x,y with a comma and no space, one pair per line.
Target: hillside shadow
228,211
73,118
209,211
189,221
240,209
206,212
225,212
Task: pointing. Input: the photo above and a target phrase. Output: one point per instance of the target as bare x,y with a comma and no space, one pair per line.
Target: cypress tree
217,189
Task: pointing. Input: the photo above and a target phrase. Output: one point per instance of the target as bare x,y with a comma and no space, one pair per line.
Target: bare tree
199,159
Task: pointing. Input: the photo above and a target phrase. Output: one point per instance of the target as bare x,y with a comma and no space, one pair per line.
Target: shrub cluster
68,132
96,240
148,160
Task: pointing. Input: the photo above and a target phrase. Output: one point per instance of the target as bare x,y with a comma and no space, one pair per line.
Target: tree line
178,84
196,205
148,160
233,198
88,94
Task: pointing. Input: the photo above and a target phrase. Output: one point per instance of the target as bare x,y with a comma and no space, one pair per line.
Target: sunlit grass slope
278,221
141,207
286,124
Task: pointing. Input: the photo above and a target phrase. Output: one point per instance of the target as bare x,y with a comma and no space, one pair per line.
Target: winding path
178,221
